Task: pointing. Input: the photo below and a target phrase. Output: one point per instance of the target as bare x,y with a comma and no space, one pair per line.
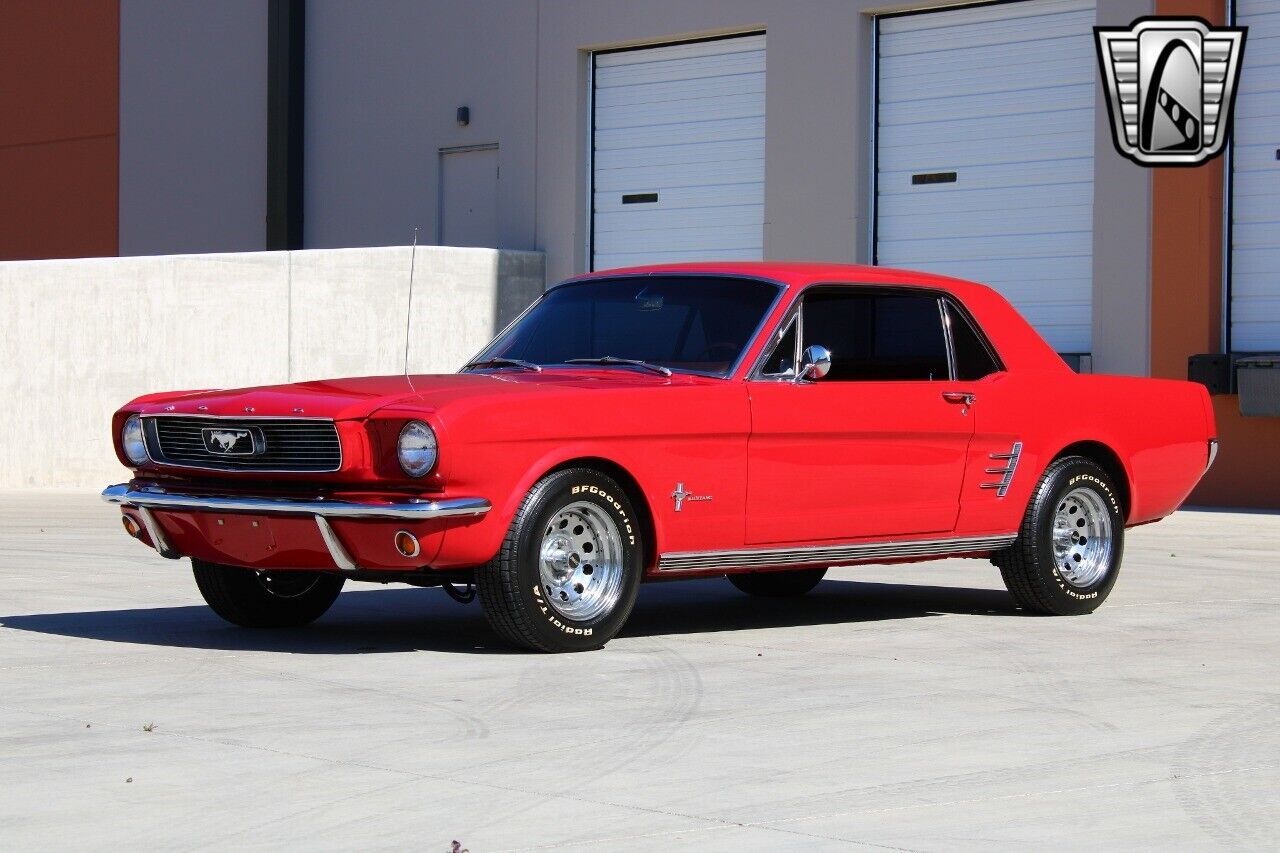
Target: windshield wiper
505,362
613,359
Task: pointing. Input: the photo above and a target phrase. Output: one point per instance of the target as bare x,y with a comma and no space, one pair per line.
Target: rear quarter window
974,358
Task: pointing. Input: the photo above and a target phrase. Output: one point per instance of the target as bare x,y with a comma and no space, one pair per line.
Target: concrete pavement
904,708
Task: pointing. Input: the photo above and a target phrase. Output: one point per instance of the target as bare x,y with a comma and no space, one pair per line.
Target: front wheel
1067,555
568,571
251,599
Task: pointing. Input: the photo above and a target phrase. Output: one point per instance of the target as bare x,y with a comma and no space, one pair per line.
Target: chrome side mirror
815,363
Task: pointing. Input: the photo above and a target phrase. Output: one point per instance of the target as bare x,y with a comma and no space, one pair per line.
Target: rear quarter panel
1158,429
1161,429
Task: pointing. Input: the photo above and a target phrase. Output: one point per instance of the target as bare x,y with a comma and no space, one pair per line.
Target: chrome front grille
277,445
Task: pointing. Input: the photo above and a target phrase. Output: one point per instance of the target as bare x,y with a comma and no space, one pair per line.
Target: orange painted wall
1186,311
59,137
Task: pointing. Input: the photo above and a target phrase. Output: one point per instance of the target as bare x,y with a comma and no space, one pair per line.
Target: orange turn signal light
131,526
407,544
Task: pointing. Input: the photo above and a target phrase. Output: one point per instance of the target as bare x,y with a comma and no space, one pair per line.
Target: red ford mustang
760,421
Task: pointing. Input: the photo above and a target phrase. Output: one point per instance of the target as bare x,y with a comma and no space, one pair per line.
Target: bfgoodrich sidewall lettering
625,524
1089,597
557,492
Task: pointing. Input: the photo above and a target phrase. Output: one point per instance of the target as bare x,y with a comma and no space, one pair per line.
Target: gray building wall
383,84
1121,235
193,126
384,81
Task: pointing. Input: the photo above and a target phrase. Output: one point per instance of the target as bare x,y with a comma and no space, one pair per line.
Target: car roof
1018,344
798,274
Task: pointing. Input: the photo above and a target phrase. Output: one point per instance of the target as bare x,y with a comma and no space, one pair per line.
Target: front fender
477,543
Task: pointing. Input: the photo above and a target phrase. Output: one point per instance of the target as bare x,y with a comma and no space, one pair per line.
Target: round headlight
131,437
416,449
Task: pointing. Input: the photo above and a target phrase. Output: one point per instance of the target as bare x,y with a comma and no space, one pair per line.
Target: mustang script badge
680,496
1170,83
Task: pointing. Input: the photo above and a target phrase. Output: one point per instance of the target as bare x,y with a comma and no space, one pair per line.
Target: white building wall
80,338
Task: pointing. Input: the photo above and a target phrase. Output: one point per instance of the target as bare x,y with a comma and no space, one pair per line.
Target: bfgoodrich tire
287,599
1066,558
567,574
785,584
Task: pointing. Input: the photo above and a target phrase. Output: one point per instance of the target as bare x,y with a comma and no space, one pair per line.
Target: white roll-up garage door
678,153
985,154
1255,184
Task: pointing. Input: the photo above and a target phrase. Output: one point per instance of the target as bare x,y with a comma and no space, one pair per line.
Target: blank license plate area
246,537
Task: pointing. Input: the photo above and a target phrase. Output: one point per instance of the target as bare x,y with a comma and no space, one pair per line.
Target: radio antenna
408,314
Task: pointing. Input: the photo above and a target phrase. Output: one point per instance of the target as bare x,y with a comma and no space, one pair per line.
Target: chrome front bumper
147,499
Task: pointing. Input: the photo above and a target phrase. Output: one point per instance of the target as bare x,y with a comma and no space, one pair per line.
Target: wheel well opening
634,492
1106,459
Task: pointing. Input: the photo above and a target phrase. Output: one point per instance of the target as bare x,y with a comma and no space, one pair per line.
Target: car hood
348,399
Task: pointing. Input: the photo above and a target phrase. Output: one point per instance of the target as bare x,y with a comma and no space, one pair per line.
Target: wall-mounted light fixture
464,116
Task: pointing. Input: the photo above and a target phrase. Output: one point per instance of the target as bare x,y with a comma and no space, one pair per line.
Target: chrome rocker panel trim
145,500
832,555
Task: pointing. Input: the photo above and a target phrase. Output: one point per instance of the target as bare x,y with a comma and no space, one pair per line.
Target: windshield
683,323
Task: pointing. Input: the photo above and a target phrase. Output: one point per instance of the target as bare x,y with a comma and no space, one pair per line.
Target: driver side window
885,336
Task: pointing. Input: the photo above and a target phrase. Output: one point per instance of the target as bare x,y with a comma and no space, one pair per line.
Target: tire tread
224,590
496,584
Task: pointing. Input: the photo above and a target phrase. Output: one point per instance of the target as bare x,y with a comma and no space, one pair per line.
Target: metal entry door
469,197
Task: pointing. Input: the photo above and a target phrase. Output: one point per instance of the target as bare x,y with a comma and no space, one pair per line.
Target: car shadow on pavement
399,619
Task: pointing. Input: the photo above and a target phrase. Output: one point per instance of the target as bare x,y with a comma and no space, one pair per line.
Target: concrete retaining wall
79,338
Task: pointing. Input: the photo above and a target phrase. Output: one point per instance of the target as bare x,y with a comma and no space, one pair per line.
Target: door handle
959,397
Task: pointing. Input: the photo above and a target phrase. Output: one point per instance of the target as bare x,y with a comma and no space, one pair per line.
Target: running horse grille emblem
232,442
1170,84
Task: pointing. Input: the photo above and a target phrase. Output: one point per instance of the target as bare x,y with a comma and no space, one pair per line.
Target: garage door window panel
1255,184
678,152
984,154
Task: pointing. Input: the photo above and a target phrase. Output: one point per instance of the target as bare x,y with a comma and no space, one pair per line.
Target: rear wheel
568,572
253,599
1066,558
778,584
